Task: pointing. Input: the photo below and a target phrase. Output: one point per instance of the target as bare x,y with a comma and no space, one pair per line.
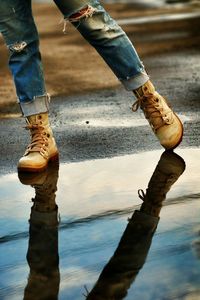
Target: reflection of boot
42,148
42,255
163,121
45,185
131,253
128,259
167,172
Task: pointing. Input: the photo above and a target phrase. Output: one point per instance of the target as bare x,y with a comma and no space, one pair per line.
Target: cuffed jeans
97,27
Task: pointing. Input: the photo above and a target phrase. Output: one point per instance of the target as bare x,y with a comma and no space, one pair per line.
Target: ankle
145,89
38,118
150,209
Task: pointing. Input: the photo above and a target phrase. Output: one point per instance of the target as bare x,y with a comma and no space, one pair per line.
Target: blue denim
98,28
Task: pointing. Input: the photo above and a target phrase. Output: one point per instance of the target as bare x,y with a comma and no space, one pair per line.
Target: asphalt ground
101,124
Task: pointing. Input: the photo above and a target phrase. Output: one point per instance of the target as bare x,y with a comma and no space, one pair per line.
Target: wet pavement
101,124
107,154
62,251
71,232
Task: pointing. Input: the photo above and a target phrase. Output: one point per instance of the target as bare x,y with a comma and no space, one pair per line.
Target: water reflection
42,254
130,255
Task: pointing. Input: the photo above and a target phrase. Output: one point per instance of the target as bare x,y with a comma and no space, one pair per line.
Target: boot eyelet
48,135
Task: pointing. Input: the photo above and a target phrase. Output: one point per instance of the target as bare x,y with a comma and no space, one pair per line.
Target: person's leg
112,43
108,38
21,37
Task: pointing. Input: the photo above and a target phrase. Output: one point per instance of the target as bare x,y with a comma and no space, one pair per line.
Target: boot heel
54,158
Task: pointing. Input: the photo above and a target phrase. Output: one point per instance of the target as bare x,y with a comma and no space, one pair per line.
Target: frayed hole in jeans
18,46
85,12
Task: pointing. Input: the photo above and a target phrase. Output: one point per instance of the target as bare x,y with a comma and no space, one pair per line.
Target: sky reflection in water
95,198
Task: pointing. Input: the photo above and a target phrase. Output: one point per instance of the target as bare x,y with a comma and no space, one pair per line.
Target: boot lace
39,142
158,188
154,111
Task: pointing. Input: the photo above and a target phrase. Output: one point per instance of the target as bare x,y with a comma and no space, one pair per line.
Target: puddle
43,260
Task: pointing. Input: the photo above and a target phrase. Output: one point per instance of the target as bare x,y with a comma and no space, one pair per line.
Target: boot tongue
145,89
32,119
148,88
37,119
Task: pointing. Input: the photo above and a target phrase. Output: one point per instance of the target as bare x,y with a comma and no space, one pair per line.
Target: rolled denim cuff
135,82
39,104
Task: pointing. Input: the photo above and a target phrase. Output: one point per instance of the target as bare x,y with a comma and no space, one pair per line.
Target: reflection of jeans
42,257
99,29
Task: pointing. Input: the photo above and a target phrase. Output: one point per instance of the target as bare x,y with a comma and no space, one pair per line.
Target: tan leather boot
42,148
164,122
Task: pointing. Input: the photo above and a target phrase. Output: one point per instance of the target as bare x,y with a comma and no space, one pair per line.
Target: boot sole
53,158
